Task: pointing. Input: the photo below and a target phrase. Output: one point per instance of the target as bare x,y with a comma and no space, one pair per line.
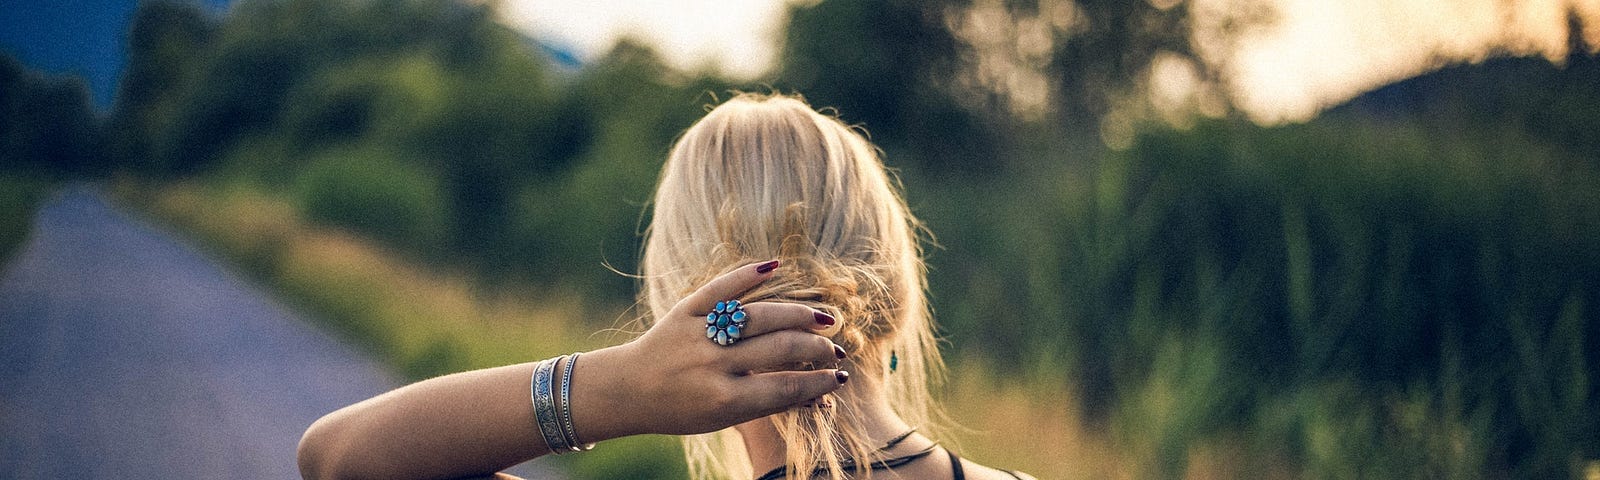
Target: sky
1317,53
737,38
74,37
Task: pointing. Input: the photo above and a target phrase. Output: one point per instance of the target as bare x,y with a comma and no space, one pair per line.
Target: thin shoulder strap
955,466
959,474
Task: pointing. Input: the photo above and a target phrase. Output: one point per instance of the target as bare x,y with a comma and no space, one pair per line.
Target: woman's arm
460,424
670,380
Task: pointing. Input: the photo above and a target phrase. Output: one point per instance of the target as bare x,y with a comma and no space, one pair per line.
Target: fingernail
766,267
842,376
838,351
823,318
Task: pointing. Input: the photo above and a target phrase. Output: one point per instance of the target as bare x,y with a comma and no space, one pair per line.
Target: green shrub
374,193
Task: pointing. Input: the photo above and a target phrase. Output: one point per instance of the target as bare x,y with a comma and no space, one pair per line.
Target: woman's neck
767,450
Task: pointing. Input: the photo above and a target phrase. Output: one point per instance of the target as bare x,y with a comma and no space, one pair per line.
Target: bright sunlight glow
1318,53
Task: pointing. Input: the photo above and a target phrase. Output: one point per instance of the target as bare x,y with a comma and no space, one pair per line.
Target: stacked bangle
544,405
555,419
566,407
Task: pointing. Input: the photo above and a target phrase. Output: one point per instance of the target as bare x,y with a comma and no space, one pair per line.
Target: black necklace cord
897,439
885,464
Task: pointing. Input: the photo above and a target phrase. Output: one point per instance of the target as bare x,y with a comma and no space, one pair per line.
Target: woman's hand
673,380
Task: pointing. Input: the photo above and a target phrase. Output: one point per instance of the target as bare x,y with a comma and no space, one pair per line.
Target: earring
894,361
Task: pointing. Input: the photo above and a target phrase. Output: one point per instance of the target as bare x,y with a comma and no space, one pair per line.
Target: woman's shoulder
1020,476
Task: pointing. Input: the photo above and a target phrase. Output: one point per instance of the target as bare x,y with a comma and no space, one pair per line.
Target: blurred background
1172,238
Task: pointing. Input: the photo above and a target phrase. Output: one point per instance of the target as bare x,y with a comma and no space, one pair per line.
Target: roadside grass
423,322
20,197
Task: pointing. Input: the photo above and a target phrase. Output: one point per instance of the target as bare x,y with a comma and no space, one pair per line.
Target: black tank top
958,473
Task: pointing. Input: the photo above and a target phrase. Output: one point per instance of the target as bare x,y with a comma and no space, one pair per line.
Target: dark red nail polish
842,376
823,319
766,267
838,351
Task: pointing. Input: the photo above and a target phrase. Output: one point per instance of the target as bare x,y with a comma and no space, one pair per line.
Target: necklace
885,464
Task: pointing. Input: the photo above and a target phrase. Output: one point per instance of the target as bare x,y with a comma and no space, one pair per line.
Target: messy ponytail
767,177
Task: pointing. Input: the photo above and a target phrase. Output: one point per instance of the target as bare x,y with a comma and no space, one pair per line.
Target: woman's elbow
319,453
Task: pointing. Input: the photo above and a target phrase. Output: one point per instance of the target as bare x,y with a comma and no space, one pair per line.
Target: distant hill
1557,103
84,37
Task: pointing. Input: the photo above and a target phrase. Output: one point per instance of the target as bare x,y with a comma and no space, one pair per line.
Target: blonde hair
767,177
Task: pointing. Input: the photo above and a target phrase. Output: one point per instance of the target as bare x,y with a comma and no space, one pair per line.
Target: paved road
126,354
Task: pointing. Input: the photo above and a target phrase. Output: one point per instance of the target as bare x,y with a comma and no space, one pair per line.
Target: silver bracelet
566,407
544,408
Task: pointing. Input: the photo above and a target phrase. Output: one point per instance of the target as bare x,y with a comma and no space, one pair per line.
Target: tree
46,124
164,45
886,65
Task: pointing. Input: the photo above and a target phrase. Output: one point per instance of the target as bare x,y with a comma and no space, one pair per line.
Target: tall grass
1345,299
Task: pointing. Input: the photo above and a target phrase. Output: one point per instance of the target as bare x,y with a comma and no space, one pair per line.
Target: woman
821,360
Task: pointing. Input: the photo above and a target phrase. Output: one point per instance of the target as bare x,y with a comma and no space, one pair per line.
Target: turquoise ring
725,324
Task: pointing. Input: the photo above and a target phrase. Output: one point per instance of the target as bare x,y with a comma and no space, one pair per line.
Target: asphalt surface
125,353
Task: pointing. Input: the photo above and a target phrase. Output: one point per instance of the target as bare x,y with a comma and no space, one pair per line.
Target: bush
47,128
376,194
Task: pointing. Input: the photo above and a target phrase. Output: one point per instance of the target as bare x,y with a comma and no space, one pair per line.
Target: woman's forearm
472,423
463,424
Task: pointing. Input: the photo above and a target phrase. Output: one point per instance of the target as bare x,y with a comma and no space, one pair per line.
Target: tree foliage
887,66
46,124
